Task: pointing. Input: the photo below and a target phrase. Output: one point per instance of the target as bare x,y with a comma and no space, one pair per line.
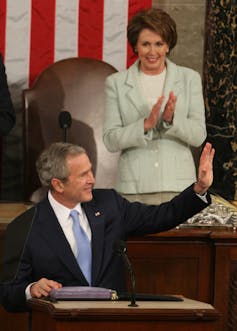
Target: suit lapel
97,224
52,232
50,229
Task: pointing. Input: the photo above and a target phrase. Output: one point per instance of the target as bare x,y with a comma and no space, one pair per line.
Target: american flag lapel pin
97,213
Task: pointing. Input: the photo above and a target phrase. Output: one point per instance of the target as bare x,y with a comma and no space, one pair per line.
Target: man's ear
57,184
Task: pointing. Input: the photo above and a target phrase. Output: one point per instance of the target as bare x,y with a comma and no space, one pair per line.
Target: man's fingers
207,153
212,154
43,287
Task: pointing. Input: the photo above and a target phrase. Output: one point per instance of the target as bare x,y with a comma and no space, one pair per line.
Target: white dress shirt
63,215
152,86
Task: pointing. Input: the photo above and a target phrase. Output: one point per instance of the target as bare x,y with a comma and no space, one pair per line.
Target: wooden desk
114,315
199,263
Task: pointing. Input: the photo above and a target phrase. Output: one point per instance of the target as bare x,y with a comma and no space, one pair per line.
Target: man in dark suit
7,113
48,259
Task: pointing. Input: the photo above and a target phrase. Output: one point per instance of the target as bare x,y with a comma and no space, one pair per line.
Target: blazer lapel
97,224
172,80
134,92
52,232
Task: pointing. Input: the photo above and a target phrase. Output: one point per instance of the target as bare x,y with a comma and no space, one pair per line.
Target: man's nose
91,178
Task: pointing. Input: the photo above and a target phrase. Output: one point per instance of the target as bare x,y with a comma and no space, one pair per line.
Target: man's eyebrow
86,171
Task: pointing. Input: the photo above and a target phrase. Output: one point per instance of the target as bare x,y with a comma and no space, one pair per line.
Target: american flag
36,33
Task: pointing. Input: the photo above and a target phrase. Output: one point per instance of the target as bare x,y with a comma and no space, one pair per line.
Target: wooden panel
226,265
116,325
13,321
173,268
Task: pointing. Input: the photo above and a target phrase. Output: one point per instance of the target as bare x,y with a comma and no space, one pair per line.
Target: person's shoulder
107,199
108,195
102,192
120,75
182,70
123,74
22,223
189,71
27,217
186,71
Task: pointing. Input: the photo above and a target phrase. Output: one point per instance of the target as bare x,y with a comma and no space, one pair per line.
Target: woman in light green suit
154,114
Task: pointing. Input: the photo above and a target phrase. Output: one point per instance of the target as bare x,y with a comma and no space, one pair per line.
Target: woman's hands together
168,114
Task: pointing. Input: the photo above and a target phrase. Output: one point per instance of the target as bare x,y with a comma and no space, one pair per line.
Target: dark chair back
75,85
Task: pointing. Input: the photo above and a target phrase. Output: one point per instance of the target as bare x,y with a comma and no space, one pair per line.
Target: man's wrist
27,291
199,189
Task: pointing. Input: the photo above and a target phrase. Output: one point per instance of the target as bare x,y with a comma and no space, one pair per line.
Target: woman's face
152,50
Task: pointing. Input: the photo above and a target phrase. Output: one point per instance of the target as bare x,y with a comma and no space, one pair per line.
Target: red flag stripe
134,7
91,16
42,36
3,15
37,50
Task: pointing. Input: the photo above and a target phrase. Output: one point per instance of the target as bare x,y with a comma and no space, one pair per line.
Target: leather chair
75,85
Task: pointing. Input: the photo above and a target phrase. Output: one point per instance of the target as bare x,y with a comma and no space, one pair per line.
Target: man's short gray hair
52,162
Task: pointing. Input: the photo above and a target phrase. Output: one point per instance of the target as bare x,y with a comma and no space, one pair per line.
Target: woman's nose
152,49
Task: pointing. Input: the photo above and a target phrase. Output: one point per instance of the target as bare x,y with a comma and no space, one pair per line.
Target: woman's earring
135,50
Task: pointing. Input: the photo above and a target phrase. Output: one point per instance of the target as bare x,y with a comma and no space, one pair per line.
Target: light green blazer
161,160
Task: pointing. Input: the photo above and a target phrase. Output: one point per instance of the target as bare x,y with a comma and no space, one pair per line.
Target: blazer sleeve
117,134
7,112
143,219
189,123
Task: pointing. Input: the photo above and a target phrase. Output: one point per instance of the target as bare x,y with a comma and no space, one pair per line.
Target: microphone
65,121
121,249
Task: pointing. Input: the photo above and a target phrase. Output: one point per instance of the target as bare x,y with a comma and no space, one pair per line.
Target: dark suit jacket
47,253
7,112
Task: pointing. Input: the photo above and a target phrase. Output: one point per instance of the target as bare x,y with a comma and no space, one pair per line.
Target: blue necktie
83,246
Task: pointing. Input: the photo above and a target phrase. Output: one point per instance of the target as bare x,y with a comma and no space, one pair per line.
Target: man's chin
88,197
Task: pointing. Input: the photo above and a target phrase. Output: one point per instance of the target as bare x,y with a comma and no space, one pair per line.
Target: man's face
78,187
